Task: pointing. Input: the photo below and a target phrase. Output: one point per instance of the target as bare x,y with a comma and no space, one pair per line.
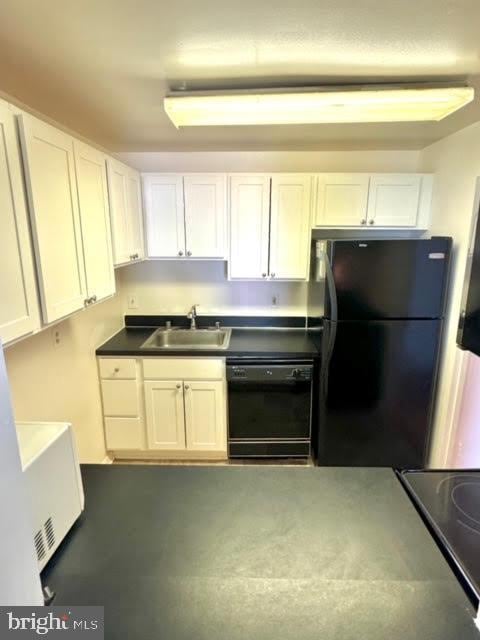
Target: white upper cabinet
341,199
249,226
394,200
19,309
135,217
95,220
205,209
125,212
382,200
185,215
164,216
290,226
52,194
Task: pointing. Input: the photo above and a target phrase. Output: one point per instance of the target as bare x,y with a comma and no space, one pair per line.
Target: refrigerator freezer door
389,278
376,410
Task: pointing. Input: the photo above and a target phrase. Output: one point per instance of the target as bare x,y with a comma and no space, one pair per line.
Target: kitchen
226,229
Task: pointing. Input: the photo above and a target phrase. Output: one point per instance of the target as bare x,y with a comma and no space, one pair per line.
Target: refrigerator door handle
332,292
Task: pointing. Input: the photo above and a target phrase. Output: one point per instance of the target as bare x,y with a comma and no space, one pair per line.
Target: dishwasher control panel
273,372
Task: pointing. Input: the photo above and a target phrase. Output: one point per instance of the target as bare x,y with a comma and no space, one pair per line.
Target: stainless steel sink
188,339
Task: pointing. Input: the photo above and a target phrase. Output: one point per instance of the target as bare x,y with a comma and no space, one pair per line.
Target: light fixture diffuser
315,106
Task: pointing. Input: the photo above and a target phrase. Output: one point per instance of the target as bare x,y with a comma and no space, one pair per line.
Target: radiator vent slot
49,533
40,545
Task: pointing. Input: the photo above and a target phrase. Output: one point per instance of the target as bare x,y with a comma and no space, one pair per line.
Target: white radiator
53,480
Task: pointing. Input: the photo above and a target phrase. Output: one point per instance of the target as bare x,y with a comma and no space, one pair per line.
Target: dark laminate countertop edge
251,343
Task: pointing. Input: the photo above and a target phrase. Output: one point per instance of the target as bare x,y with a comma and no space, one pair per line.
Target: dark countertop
272,553
245,342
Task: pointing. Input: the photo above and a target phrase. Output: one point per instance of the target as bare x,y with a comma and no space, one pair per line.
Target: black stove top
450,503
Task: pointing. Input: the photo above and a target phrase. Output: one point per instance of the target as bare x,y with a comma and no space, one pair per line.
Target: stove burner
465,496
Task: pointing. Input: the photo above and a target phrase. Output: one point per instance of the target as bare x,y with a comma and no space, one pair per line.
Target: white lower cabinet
124,434
165,414
205,416
164,407
123,414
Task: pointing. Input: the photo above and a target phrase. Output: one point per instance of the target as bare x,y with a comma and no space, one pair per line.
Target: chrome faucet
192,316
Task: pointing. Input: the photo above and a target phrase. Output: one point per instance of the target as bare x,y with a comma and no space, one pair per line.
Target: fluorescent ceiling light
314,106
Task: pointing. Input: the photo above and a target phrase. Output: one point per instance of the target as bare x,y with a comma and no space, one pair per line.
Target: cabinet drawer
184,368
124,433
117,368
120,398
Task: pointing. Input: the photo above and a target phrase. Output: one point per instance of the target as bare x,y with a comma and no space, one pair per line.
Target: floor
266,552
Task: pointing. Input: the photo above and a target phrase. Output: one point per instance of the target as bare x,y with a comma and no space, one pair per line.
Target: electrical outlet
57,337
132,301
275,300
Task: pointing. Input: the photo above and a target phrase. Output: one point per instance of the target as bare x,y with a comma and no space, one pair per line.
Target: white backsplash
173,286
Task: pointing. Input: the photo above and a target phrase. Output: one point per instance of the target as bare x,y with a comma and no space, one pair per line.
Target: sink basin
187,339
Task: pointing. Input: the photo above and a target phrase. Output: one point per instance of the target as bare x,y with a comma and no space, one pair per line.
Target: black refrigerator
383,317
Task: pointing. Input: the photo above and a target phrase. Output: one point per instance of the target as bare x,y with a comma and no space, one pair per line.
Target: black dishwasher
269,409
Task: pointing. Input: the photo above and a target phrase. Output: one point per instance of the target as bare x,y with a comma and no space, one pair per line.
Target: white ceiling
102,67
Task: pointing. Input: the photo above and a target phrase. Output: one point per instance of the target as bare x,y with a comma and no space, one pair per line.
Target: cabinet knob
187,387
189,253
371,222
363,221
180,253
179,386
116,370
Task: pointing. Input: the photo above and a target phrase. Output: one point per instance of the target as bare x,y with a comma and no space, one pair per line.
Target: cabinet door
249,226
52,193
117,193
19,309
290,226
205,212
393,200
164,215
135,216
205,415
95,220
165,414
341,199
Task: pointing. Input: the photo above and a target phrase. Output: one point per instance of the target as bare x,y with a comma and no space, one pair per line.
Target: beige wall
265,161
173,286
59,382
456,162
